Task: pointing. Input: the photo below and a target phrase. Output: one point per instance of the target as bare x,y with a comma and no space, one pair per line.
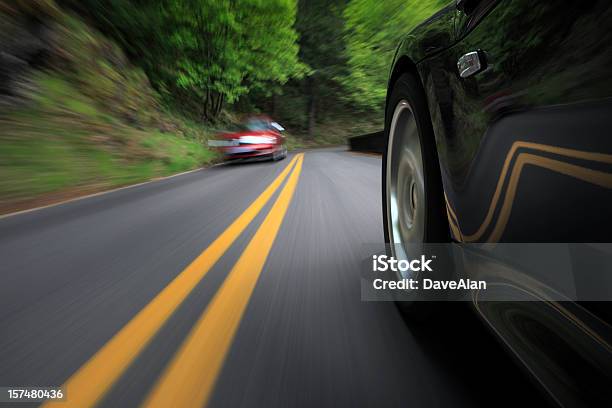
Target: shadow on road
460,344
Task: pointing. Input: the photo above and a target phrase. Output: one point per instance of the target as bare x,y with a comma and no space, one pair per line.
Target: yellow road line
96,376
189,379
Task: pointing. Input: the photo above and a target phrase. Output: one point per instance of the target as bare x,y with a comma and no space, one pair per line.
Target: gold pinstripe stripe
582,173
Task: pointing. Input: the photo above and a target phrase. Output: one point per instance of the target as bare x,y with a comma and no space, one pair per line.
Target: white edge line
71,200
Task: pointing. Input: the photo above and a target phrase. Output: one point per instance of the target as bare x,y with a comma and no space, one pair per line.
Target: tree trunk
274,103
219,105
205,110
312,108
212,105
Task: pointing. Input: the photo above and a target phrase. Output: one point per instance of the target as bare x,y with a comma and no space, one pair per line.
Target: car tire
412,193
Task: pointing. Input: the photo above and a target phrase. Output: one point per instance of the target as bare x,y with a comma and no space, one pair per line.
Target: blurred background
97,94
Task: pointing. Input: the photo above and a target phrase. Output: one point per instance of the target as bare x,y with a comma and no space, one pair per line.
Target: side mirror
277,126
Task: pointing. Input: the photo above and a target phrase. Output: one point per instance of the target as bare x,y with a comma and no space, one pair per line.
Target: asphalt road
89,298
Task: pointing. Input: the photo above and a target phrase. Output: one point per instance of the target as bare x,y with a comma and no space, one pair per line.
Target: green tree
224,49
320,24
373,31
202,53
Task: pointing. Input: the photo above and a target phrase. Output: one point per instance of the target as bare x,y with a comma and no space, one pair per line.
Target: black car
498,130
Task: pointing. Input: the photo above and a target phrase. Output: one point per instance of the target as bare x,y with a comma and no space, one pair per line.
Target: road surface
236,285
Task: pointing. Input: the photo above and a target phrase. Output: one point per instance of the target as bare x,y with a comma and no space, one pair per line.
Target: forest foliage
204,53
373,31
316,56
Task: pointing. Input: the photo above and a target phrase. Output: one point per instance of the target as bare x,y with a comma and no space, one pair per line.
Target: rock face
26,41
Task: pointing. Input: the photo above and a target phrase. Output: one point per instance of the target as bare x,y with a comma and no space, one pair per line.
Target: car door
525,151
523,139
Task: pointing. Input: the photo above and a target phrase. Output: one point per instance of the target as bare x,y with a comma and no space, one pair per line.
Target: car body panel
432,36
525,155
547,81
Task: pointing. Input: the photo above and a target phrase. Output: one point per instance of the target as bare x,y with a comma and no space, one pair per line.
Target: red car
257,138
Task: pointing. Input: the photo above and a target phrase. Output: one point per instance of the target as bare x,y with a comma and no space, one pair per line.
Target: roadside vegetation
83,119
99,94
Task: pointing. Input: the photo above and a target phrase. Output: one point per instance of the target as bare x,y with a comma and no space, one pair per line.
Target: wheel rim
405,187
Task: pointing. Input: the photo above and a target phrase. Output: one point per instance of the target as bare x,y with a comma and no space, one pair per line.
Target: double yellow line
189,378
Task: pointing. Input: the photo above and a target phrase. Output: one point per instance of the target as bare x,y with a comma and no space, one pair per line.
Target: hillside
76,116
